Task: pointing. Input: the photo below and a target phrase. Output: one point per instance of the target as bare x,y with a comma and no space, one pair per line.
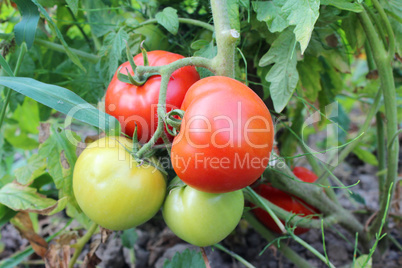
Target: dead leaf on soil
105,233
91,259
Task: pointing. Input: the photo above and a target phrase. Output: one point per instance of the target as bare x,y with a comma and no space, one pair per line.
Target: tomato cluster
285,201
223,145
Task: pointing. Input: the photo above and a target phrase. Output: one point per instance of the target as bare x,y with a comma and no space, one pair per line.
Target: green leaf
359,262
283,76
73,5
309,70
101,22
62,100
209,51
358,198
112,50
303,14
129,238
51,152
344,5
21,198
35,167
185,259
168,18
25,30
5,66
27,116
271,13
21,141
365,155
73,57
232,7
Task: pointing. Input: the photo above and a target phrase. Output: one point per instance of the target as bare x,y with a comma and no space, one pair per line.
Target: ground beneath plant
156,242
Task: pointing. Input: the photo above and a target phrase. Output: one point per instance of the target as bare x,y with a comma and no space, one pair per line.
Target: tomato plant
225,147
137,105
112,189
286,201
200,218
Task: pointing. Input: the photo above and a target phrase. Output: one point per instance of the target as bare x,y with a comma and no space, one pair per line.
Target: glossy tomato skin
133,105
225,138
202,219
285,201
112,189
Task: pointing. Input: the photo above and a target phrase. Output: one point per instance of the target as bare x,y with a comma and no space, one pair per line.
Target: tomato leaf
73,57
129,238
361,262
111,51
309,70
25,30
168,18
73,5
233,13
185,259
63,100
344,5
283,76
365,155
302,14
270,12
36,166
21,198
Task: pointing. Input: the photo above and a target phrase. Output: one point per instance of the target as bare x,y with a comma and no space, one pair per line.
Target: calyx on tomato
137,105
226,136
285,201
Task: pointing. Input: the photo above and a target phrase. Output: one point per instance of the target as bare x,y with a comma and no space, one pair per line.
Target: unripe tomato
202,219
285,201
112,189
137,105
226,136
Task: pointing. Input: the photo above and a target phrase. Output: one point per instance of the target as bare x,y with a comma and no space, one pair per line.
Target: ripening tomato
133,105
202,219
286,201
226,136
112,189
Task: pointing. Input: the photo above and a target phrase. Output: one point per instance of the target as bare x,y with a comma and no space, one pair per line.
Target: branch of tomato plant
23,50
226,39
289,217
388,28
181,20
381,152
81,243
234,255
281,177
383,61
281,246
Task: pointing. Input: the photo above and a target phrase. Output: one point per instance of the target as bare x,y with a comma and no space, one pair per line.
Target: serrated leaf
73,5
25,30
21,198
168,18
112,50
283,75
365,155
62,100
185,259
209,51
101,22
27,116
35,167
303,14
73,57
271,13
309,71
344,5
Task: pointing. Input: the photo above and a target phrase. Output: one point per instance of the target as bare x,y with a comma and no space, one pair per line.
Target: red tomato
132,104
285,201
225,138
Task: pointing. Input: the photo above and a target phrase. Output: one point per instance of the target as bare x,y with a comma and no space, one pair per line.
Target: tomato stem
205,257
81,243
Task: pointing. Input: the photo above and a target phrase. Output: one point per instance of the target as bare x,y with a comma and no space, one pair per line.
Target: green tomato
200,218
112,189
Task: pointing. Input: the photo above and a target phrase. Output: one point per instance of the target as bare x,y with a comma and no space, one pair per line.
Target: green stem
384,68
56,47
80,29
181,20
81,243
226,39
312,250
381,153
283,248
23,50
388,27
234,255
377,24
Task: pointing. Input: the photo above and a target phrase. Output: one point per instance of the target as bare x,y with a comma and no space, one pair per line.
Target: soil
156,242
